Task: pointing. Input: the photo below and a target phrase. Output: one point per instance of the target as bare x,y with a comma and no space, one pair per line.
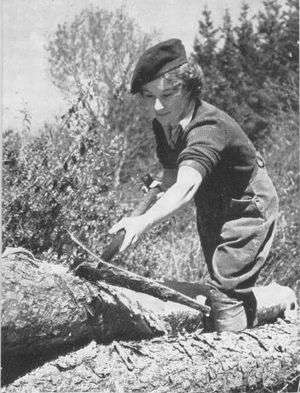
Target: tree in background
206,43
291,33
66,176
246,41
228,55
94,57
250,71
216,88
277,41
278,29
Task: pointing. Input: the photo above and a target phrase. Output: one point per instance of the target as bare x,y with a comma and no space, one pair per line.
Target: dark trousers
236,249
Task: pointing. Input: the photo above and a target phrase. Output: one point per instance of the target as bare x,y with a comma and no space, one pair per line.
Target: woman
206,157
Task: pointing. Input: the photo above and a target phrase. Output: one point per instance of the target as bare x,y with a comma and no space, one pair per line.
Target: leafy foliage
94,56
46,190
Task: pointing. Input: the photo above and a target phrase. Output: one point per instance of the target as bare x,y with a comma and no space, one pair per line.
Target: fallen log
47,310
264,357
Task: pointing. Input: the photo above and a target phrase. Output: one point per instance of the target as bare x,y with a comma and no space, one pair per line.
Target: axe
105,271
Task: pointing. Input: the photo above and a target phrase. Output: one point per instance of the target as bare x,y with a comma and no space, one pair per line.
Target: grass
281,153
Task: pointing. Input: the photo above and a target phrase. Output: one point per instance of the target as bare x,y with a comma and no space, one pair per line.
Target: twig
100,260
231,349
138,351
261,344
203,340
185,350
123,357
289,382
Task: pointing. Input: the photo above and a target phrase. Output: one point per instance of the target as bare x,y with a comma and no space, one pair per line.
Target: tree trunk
46,310
264,357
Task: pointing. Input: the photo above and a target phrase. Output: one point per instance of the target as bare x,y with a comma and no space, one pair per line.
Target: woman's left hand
133,226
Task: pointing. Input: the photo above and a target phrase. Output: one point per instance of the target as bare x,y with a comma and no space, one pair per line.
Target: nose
158,105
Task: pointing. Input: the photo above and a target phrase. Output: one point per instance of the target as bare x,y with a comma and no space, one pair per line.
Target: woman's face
166,101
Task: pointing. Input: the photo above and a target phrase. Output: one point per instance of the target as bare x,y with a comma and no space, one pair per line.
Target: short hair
190,75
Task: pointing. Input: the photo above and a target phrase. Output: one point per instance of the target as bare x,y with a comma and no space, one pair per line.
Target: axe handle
113,248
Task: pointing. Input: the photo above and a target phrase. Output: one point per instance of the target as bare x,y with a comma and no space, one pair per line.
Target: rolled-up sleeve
204,147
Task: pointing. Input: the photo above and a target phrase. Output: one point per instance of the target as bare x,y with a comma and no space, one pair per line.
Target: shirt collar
187,119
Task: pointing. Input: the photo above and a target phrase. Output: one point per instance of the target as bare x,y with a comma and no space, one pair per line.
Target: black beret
156,61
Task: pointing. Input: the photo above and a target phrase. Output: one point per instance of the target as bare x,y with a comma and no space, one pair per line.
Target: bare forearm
187,183
172,200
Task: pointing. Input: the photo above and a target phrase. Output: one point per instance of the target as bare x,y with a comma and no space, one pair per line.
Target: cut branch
104,271
126,279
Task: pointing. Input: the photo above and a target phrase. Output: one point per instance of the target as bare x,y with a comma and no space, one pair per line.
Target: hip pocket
243,207
264,194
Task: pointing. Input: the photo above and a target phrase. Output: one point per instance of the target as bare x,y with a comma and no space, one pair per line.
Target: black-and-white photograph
150,196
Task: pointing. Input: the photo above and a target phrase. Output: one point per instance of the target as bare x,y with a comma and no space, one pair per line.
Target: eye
166,95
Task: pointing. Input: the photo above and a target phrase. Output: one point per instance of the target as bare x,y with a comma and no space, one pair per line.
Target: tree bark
46,310
264,357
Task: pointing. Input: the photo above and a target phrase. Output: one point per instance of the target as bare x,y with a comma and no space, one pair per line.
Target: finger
158,196
115,228
126,242
129,241
155,183
134,239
